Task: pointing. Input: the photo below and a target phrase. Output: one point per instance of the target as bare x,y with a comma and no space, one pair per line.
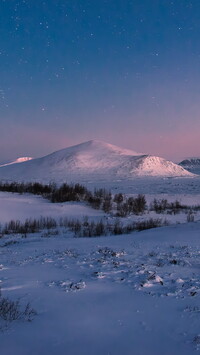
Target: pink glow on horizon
28,141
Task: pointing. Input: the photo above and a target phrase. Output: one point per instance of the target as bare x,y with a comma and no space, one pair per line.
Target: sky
123,71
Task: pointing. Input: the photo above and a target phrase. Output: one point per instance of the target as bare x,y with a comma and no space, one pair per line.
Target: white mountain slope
93,160
17,161
192,164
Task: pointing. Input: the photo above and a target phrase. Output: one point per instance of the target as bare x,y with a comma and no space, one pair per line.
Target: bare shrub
160,206
84,228
150,223
12,310
190,216
29,226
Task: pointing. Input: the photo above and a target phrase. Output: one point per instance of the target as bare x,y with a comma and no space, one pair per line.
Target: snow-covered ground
130,294
151,186
136,294
20,207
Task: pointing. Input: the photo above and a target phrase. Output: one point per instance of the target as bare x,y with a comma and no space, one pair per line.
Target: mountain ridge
17,161
92,160
191,164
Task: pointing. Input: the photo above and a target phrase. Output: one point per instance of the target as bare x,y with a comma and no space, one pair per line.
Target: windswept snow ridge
93,160
17,161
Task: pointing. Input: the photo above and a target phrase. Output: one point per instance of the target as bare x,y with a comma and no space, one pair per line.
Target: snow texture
136,294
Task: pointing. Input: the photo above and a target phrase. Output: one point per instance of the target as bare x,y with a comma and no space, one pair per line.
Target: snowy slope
93,160
191,164
136,294
17,161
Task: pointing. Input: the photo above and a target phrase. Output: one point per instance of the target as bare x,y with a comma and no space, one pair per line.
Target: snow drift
93,160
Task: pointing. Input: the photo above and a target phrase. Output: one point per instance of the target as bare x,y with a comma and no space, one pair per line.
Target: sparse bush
92,229
139,204
118,227
84,228
107,203
133,205
196,340
122,209
190,216
29,226
12,310
150,223
100,198
9,310
160,206
118,198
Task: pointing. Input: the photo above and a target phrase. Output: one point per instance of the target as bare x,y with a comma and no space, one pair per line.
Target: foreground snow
133,294
136,294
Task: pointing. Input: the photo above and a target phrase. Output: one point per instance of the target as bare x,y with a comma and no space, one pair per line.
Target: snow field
132,294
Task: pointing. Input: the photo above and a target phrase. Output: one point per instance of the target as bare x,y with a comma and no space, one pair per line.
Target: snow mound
17,161
156,166
93,160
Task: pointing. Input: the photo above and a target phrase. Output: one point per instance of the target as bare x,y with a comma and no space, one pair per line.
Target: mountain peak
97,146
93,160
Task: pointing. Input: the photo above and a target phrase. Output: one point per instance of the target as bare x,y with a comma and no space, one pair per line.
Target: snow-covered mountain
17,161
191,164
92,161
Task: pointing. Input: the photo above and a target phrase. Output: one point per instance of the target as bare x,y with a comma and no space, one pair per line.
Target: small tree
107,203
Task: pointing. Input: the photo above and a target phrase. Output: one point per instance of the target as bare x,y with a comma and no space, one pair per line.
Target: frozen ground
130,294
136,294
152,186
20,207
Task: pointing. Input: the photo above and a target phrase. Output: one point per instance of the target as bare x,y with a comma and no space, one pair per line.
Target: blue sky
127,72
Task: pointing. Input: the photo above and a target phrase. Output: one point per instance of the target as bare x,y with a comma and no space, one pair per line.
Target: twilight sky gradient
124,71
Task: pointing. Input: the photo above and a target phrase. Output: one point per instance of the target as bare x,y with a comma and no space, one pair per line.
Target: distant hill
191,164
90,161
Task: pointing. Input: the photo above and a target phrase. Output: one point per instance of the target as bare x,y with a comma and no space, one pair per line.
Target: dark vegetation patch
98,199
13,311
163,205
80,228
119,203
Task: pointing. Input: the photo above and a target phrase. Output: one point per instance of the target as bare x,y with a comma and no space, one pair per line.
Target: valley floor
129,294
